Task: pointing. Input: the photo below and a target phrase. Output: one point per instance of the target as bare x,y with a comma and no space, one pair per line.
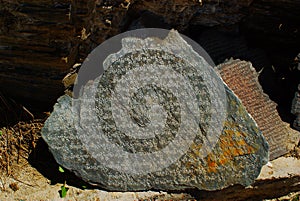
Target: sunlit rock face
158,117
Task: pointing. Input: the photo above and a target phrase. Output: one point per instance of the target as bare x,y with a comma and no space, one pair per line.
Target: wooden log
41,40
36,50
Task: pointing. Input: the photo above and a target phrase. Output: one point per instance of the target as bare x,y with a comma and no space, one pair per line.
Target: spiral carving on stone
153,100
149,111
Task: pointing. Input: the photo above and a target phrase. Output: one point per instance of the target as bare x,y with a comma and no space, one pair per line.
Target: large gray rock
141,125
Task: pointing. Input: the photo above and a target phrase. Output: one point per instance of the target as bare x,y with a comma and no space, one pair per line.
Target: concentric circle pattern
150,112
151,102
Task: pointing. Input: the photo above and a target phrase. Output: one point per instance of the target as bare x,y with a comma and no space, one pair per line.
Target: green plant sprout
63,189
60,169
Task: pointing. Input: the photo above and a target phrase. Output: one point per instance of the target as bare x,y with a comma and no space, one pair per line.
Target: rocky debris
92,142
242,78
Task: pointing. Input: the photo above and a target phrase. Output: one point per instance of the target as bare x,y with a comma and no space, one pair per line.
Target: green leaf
60,169
0,133
63,192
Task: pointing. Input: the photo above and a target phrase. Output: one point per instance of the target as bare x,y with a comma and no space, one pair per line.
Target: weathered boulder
148,132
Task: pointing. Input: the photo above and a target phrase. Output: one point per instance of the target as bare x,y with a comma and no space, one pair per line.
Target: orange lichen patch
212,165
231,144
250,149
223,160
241,142
236,147
237,152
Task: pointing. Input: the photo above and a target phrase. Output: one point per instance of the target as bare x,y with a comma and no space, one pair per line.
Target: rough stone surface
239,152
242,78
